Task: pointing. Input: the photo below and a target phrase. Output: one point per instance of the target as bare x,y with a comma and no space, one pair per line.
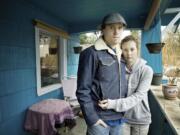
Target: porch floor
79,129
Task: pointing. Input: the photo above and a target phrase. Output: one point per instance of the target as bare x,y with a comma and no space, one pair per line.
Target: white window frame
62,62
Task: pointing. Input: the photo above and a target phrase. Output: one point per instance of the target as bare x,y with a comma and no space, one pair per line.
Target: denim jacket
101,75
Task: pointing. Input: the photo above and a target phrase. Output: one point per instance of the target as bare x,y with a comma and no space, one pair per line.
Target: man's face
112,33
129,51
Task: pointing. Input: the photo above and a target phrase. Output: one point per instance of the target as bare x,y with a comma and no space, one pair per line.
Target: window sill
48,89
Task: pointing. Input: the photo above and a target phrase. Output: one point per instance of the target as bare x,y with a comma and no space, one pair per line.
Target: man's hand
103,104
102,123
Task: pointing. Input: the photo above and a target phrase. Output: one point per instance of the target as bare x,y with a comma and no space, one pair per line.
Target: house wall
73,59
17,63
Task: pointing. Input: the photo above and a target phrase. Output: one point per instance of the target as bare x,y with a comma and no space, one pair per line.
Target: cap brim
123,23
99,27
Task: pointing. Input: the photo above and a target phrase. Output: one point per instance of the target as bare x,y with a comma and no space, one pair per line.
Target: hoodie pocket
145,106
138,113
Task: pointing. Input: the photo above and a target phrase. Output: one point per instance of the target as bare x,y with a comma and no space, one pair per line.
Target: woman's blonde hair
129,38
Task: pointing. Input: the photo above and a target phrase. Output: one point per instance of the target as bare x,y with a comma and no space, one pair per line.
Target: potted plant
77,49
170,90
53,51
154,47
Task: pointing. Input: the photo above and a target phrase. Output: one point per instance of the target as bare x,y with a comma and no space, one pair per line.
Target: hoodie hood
138,64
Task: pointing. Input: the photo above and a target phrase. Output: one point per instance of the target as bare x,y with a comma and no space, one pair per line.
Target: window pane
49,59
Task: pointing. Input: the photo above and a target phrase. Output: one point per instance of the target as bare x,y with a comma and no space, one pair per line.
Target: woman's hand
103,104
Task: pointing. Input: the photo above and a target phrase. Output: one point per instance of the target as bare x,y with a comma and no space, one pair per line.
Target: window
50,60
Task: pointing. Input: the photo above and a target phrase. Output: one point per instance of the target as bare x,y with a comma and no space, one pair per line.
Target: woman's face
129,51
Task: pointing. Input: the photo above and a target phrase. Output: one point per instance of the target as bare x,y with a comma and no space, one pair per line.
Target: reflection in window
49,58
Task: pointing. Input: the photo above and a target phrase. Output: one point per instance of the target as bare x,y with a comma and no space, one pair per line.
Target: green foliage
87,39
136,34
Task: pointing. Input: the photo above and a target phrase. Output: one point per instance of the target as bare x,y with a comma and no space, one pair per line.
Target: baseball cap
113,18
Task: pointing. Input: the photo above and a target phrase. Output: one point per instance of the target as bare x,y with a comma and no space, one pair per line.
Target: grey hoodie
136,106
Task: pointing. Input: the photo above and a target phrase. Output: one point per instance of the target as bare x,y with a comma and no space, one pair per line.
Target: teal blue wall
152,36
73,59
17,63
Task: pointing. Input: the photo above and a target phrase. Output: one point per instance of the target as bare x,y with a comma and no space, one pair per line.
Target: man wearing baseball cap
101,75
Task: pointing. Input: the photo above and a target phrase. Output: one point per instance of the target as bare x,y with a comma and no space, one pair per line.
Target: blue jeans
100,130
135,129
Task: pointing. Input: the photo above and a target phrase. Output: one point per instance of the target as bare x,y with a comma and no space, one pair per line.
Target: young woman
135,105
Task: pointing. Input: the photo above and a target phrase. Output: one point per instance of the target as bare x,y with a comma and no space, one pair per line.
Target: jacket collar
101,45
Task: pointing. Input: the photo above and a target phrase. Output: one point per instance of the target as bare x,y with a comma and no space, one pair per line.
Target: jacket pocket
107,61
106,69
107,73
